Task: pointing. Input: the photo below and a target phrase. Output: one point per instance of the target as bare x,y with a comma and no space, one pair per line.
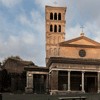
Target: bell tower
55,29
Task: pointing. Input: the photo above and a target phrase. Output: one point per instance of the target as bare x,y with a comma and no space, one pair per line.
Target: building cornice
73,61
77,45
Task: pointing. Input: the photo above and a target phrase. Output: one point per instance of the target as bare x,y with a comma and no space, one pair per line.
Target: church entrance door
90,82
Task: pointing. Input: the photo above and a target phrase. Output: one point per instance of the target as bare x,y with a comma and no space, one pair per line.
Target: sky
22,25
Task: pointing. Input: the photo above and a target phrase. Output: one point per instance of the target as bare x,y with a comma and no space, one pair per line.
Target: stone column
69,80
29,87
98,82
83,82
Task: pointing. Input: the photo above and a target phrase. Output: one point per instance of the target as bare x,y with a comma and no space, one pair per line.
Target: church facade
71,66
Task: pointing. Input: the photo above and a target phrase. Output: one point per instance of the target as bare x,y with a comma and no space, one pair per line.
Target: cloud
91,30
10,3
26,39
86,13
24,20
73,32
21,45
24,33
82,11
50,3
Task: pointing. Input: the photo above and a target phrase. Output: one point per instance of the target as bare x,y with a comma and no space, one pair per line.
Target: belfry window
55,28
51,16
59,16
59,29
51,28
55,16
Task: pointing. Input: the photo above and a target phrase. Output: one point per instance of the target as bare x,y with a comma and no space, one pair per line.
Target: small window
59,29
51,16
51,28
55,28
59,16
55,16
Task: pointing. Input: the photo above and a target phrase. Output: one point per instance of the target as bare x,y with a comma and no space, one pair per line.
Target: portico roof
63,60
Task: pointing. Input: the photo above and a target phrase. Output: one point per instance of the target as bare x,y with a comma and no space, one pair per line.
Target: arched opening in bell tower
59,16
51,16
55,28
55,16
51,28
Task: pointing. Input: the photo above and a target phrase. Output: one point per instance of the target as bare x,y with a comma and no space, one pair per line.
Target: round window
82,53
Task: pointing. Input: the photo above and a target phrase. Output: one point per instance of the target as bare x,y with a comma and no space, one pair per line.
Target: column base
83,91
28,90
53,92
98,91
68,90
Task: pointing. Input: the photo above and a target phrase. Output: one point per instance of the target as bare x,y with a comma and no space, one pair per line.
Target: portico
73,77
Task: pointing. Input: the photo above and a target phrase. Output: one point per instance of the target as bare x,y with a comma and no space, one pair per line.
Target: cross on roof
55,2
82,27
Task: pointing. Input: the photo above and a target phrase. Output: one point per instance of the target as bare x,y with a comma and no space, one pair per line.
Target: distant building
13,74
71,66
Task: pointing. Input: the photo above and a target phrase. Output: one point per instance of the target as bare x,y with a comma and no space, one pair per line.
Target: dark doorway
76,81
62,80
39,84
90,82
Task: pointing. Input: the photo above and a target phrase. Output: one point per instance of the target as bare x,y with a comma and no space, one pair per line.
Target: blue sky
22,25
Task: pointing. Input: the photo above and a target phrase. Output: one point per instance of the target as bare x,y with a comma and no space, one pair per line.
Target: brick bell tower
55,29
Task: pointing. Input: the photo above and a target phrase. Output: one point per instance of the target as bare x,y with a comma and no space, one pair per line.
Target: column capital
83,71
69,70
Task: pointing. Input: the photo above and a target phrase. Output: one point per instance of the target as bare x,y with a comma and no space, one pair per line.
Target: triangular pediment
82,40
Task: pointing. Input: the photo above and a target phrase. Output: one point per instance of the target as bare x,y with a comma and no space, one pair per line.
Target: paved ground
7,96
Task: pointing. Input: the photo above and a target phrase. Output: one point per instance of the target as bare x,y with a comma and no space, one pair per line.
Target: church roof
81,41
